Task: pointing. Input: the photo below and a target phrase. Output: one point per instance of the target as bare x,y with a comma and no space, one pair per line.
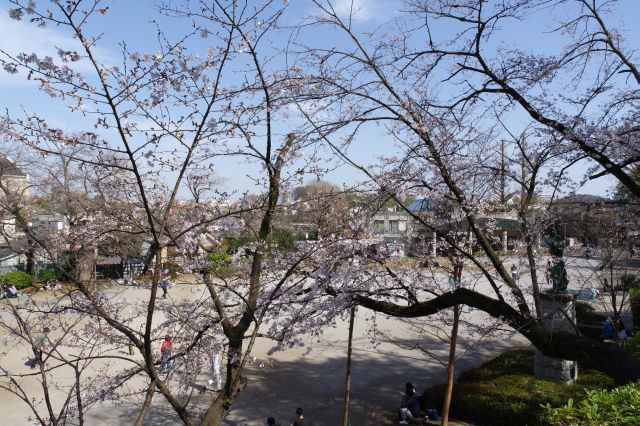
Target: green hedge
503,392
634,301
47,275
620,406
18,278
220,261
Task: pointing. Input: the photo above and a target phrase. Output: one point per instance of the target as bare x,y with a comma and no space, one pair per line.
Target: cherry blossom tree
151,122
443,134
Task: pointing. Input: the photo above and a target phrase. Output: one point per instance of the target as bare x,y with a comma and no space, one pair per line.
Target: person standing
272,422
622,332
608,330
38,347
215,369
164,284
514,272
165,350
547,272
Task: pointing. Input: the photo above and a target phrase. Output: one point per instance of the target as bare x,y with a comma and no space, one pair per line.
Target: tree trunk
234,384
606,357
147,261
451,365
347,390
146,405
31,260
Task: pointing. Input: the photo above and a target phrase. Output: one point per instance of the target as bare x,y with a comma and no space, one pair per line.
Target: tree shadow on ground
316,383
377,380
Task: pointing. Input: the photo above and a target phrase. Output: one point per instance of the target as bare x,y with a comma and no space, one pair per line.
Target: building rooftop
422,204
8,168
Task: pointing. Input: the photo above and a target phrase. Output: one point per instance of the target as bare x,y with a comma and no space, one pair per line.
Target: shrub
503,391
633,344
284,238
620,406
629,281
220,261
47,275
239,241
634,302
171,269
18,278
584,312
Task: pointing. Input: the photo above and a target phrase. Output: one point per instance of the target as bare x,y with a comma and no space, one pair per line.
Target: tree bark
234,384
606,357
146,405
347,390
451,365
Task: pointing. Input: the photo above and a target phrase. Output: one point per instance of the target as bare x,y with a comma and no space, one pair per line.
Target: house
51,222
14,184
402,232
10,260
13,180
398,227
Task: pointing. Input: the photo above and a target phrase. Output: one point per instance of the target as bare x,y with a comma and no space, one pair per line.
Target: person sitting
11,292
410,406
299,420
272,422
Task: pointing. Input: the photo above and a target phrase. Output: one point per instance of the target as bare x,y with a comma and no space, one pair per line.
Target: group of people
50,285
614,331
410,407
298,420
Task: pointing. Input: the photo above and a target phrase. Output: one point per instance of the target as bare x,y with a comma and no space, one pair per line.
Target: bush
19,279
47,275
634,302
284,238
620,406
632,345
584,312
503,391
628,282
220,261
171,269
239,241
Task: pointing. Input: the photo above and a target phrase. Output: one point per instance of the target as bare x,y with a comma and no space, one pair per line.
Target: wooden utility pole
523,171
457,277
451,365
347,390
503,178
